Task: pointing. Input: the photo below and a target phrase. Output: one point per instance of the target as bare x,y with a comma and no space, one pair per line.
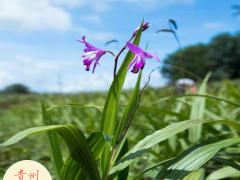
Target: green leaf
97,142
197,112
75,105
132,103
193,158
173,23
109,115
158,137
193,176
165,30
54,147
123,175
162,111
223,173
152,167
198,95
76,142
71,170
227,162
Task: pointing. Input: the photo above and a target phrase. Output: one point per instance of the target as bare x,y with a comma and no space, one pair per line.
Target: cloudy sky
38,47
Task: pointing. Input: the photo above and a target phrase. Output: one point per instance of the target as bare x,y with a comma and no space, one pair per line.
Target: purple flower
139,59
144,27
95,53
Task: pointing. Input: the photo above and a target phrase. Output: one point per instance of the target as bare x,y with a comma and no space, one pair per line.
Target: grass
19,112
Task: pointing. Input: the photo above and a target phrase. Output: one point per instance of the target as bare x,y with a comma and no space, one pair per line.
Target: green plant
105,153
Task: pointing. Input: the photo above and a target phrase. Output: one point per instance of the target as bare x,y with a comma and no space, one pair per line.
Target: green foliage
130,134
109,116
76,142
54,147
221,56
150,117
16,89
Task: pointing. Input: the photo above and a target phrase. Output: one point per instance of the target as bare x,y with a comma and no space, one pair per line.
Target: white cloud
33,15
102,82
6,78
213,25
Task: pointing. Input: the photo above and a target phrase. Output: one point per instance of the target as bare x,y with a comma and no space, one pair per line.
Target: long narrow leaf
75,105
54,147
132,103
197,112
109,115
223,173
199,95
158,137
227,162
75,141
152,167
96,141
193,158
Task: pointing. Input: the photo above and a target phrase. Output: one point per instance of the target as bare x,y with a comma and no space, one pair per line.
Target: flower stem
110,52
116,59
129,122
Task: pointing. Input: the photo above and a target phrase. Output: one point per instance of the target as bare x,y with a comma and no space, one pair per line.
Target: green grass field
19,112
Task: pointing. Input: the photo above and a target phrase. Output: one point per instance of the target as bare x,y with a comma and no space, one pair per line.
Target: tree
224,56
221,56
194,60
16,88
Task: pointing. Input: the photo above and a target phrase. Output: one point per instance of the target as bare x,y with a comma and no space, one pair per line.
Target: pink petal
140,61
135,49
150,56
133,61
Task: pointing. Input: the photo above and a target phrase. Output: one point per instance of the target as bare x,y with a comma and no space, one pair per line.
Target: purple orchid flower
144,27
139,60
95,53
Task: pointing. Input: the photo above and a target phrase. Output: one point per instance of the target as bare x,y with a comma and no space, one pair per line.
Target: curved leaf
162,111
76,142
223,173
193,158
158,137
227,162
152,167
75,105
197,112
54,147
199,95
97,142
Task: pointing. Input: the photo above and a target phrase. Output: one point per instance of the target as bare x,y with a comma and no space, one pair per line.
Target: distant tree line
16,89
221,56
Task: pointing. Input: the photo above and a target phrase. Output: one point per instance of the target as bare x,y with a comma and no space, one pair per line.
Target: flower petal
150,56
88,53
155,57
135,49
135,69
133,61
140,61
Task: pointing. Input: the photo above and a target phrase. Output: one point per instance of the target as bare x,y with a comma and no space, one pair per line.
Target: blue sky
38,47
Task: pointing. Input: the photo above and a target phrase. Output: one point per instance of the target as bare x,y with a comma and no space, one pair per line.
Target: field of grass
19,112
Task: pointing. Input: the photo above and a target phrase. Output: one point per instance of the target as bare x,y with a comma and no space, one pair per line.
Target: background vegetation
221,56
19,112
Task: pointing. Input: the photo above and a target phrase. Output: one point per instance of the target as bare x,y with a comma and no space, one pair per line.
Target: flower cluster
138,61
95,53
